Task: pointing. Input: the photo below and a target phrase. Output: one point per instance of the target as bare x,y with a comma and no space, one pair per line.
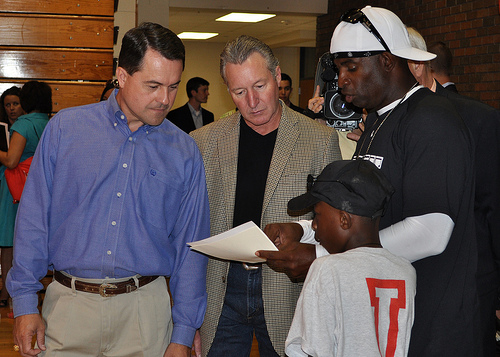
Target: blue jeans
242,316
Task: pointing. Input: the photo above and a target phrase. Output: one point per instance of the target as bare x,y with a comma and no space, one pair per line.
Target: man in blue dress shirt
114,193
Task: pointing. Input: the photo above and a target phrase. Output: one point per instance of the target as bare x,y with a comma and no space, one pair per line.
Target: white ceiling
285,29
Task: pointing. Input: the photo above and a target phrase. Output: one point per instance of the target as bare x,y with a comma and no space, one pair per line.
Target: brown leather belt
104,289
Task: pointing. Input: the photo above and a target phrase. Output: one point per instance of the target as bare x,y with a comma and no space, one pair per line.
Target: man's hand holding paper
239,243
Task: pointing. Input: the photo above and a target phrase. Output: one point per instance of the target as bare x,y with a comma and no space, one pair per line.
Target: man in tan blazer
255,161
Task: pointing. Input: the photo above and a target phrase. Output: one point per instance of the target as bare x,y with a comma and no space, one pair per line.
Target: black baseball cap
354,186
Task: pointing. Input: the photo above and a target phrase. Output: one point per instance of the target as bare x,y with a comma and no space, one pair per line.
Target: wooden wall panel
72,94
66,43
60,31
56,63
66,94
74,7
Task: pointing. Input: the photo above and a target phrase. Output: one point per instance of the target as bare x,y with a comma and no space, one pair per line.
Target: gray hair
238,50
416,39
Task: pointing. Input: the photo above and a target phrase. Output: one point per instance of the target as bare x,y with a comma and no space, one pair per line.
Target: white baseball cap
361,36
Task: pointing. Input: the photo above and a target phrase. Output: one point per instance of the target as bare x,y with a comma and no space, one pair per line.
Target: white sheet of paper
239,243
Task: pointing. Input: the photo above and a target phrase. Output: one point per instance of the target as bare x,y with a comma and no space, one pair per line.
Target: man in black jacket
285,91
191,115
483,122
430,218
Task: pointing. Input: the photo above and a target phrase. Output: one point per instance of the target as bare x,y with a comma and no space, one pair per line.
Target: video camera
336,111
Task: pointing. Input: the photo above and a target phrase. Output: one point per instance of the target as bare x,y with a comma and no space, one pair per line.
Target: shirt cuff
183,335
25,305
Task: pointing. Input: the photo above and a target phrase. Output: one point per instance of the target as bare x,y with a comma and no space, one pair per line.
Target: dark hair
443,62
147,35
238,50
286,77
36,96
195,83
11,91
110,84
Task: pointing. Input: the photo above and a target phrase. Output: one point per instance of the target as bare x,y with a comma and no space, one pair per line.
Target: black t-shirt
254,158
426,152
255,152
423,148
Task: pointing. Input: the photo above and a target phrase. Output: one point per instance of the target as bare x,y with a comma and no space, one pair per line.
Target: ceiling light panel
196,35
244,17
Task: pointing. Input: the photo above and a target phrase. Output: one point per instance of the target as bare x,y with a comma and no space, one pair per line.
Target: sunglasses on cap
355,16
311,181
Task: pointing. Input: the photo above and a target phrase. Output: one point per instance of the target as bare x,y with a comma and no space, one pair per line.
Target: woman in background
36,99
11,108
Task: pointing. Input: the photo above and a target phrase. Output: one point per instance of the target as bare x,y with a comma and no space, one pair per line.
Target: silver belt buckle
250,267
103,287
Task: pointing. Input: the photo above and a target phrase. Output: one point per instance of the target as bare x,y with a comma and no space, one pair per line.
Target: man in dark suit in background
483,122
191,115
285,91
441,65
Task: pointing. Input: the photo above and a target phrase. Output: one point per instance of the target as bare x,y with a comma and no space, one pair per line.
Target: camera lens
340,107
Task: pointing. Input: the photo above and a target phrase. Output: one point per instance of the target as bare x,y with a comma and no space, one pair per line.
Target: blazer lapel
285,143
227,148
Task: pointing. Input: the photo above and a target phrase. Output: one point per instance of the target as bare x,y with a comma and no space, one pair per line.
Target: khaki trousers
79,324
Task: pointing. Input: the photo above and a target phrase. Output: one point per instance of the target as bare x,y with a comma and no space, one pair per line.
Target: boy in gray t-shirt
359,300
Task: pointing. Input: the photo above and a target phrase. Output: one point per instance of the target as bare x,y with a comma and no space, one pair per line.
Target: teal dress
30,126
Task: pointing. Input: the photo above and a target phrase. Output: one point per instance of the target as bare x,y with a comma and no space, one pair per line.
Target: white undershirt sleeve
413,238
321,251
419,237
308,237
